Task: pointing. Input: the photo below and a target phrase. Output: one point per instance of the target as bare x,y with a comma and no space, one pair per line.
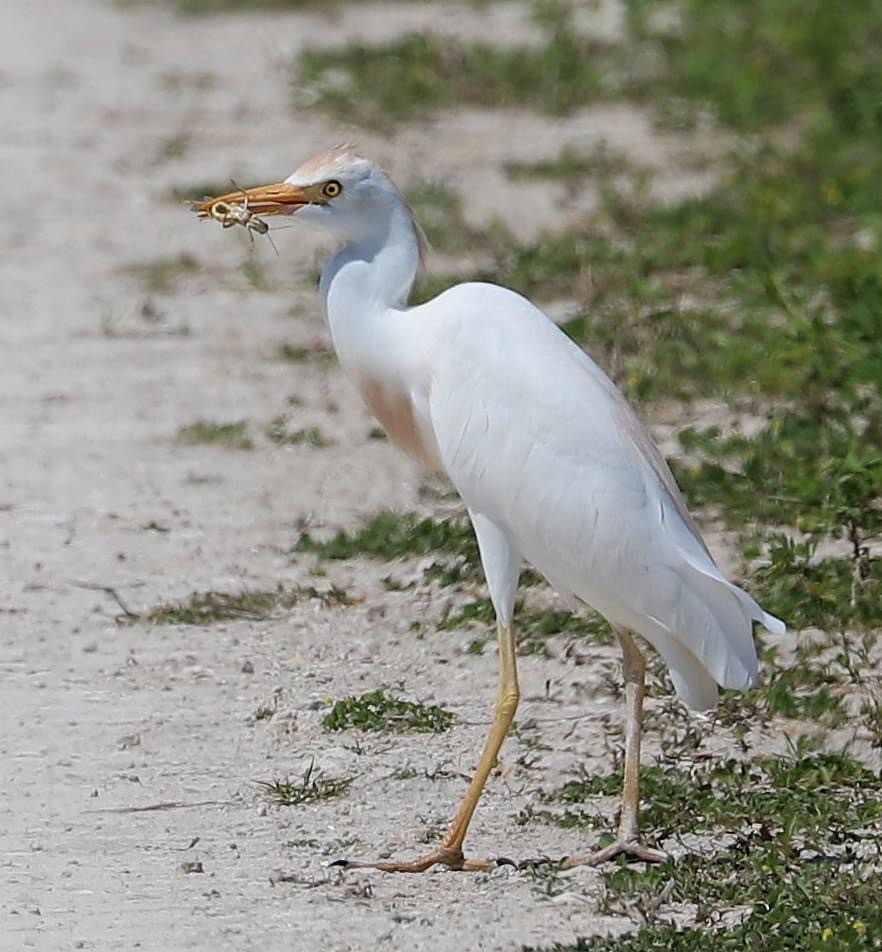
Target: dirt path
105,110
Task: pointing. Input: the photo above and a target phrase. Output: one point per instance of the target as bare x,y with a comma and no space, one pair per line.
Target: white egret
552,464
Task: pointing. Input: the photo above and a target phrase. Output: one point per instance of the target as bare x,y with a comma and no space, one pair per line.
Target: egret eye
332,189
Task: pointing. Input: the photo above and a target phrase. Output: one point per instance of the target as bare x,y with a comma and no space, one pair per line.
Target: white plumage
552,463
537,440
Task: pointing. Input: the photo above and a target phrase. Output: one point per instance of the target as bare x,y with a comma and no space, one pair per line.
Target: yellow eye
332,189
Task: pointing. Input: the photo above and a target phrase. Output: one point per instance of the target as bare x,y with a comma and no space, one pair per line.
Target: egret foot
451,858
449,853
633,849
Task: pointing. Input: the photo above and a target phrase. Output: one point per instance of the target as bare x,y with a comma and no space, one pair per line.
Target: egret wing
536,438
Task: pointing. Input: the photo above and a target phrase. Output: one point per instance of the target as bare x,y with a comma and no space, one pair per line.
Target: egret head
340,190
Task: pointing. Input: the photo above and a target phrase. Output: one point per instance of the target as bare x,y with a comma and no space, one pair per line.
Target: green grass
417,74
582,263
277,432
207,608
797,864
391,535
209,433
311,788
533,627
803,797
763,65
809,473
573,166
317,352
377,711
255,273
834,594
162,275
438,209
820,907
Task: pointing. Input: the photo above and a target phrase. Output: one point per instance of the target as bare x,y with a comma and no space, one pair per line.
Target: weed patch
834,594
277,432
391,535
234,436
438,209
417,74
573,166
311,788
206,608
808,797
377,711
162,275
318,352
799,872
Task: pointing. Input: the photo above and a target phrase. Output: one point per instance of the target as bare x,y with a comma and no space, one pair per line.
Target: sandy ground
104,110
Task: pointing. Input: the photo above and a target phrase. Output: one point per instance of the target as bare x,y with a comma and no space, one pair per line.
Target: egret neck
369,277
379,341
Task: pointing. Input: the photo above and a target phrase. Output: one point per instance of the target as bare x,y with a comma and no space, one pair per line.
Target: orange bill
278,199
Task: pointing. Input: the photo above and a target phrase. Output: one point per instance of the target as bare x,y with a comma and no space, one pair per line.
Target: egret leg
628,840
449,853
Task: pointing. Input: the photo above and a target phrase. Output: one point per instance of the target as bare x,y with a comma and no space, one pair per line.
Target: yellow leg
634,671
449,853
628,840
